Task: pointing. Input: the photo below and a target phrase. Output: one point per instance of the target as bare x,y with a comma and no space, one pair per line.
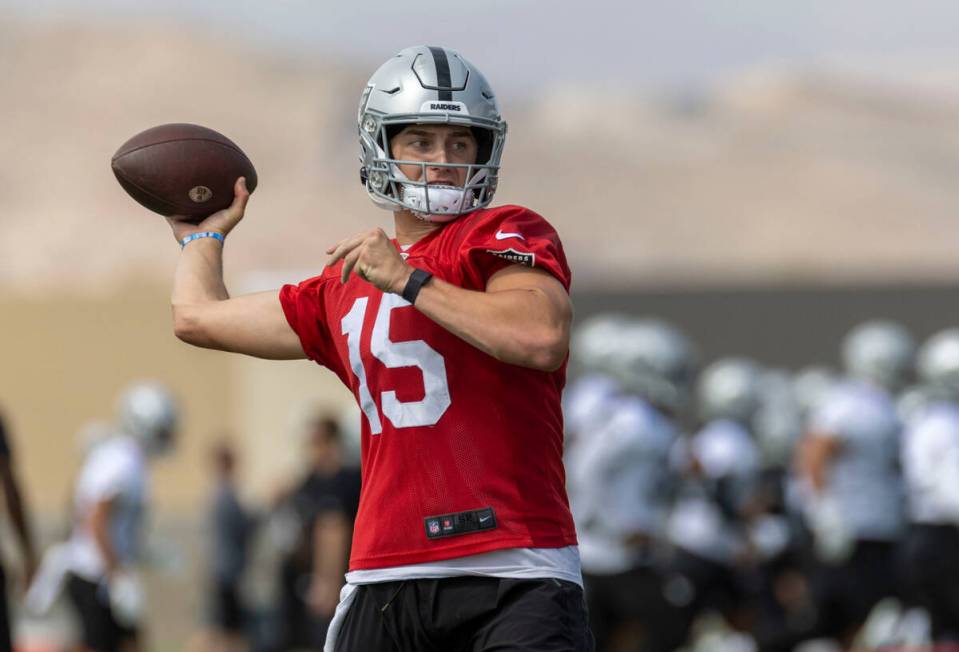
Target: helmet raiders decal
458,107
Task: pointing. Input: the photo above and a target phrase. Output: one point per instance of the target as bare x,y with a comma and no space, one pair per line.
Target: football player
721,473
453,337
930,462
620,480
594,348
852,489
110,502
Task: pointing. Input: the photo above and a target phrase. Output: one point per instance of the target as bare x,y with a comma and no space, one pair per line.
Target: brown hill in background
779,177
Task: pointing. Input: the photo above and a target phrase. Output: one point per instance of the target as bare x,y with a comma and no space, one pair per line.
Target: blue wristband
204,234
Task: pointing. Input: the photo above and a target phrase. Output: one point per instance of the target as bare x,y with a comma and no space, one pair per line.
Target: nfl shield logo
434,527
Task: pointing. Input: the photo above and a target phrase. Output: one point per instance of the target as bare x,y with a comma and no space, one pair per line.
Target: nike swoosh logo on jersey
500,235
483,519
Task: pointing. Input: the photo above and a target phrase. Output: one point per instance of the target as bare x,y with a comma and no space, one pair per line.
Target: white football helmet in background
595,344
729,388
811,385
938,362
428,85
879,351
656,361
778,422
148,411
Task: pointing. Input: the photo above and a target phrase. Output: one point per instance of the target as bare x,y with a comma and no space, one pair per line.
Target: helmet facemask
392,189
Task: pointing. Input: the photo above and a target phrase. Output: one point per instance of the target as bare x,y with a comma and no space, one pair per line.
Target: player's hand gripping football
222,221
374,258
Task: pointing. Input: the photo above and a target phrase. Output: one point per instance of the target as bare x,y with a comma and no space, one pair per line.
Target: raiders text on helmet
428,85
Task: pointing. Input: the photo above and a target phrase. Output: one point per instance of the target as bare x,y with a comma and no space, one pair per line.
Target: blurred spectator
17,510
323,506
231,528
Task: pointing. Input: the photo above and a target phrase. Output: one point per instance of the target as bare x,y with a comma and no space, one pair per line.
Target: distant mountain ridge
779,176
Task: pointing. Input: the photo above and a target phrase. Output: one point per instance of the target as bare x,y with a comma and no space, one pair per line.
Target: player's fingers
342,248
358,237
240,191
240,196
349,262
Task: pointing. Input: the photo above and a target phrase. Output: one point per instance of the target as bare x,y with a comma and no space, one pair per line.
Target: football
182,169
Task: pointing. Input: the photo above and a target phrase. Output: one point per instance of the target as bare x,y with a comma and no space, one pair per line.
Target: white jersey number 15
413,353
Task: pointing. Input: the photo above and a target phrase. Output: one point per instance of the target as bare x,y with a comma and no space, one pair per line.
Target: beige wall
62,361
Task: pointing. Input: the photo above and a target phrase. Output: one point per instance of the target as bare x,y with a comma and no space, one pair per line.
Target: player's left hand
374,258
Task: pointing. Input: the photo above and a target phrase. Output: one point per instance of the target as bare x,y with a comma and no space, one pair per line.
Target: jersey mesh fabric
497,442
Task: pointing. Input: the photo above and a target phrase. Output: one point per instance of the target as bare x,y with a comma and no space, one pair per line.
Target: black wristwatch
417,280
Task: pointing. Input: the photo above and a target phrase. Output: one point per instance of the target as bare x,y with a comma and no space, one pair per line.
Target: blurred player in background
19,517
453,338
930,462
111,500
231,526
853,495
323,508
721,469
620,482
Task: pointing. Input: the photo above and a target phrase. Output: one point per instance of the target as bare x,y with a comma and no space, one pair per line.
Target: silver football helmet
428,85
595,343
879,351
147,411
778,421
729,388
656,361
811,385
938,362
913,401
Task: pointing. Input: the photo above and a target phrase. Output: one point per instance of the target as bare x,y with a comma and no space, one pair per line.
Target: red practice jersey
461,453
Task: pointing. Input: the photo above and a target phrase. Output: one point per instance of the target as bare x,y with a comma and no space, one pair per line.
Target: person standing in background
17,511
850,483
231,527
111,500
324,505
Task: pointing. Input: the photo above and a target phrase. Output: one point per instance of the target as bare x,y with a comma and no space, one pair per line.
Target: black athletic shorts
931,557
226,607
101,631
467,614
636,597
845,593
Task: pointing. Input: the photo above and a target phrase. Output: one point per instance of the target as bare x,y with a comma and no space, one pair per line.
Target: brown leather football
182,169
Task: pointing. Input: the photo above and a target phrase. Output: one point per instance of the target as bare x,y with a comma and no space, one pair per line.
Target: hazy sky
522,43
